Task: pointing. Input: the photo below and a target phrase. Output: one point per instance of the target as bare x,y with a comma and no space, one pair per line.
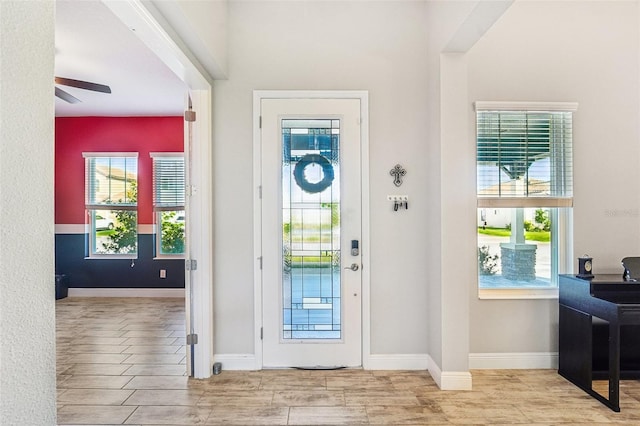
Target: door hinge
190,190
260,122
192,339
190,264
261,333
260,192
260,260
190,115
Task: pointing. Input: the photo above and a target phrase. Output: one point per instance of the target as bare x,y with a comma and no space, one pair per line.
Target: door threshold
320,367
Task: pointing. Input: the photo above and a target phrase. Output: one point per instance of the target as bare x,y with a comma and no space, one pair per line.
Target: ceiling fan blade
83,85
66,97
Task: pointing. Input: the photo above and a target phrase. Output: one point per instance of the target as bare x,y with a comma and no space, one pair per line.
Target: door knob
353,267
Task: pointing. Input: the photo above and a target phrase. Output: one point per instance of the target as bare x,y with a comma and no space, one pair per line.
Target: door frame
258,96
200,217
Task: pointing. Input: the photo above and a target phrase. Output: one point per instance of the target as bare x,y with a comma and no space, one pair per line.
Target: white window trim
109,154
565,250
524,202
157,213
88,228
166,154
102,256
525,106
517,293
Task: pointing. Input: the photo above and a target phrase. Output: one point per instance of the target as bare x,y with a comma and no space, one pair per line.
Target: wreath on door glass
327,171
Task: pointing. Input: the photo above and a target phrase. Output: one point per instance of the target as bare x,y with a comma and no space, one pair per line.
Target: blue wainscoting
115,273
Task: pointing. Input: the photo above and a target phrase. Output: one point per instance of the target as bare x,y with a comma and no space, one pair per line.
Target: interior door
188,275
311,231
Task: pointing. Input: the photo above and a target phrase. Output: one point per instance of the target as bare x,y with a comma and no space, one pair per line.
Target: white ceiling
92,44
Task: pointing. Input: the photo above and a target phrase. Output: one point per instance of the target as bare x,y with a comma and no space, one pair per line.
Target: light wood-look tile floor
122,361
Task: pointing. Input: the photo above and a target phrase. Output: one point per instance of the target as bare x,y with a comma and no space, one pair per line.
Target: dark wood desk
599,333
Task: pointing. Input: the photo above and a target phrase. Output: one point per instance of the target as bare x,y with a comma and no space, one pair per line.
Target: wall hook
397,172
399,202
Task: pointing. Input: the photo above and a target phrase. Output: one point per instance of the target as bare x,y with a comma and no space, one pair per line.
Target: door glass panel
311,291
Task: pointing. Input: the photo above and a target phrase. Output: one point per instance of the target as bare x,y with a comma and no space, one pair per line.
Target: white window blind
168,182
111,180
524,155
111,198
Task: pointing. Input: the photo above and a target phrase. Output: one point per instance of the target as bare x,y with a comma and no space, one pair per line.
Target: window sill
111,256
517,293
169,257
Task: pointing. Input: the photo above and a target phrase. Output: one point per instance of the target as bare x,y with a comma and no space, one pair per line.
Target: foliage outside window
111,194
168,203
524,192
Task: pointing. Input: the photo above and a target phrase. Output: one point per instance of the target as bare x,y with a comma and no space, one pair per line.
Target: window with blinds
111,194
524,154
524,165
169,202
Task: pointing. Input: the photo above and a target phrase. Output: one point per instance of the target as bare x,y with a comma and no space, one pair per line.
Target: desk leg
614,366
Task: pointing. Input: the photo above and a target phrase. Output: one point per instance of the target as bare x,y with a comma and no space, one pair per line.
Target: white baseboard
517,360
397,362
456,380
237,361
375,362
450,380
126,292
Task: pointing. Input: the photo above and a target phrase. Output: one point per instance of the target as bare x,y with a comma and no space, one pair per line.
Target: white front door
311,232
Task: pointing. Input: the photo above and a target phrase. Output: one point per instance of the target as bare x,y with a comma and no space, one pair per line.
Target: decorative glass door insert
311,288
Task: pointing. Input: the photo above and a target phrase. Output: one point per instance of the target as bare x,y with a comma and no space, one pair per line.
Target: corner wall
446,280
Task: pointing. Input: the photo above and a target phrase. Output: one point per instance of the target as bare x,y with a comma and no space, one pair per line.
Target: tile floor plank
169,414
236,398
154,349
156,370
96,382
248,416
155,358
328,416
97,369
93,414
302,398
94,396
164,397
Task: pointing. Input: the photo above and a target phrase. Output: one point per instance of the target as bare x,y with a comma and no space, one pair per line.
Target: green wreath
301,180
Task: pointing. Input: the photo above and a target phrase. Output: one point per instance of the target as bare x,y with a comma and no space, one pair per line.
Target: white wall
200,25
374,46
27,309
586,52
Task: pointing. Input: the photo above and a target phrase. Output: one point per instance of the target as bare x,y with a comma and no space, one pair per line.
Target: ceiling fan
80,84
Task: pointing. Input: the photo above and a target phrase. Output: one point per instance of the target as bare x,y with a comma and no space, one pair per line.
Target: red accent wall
75,135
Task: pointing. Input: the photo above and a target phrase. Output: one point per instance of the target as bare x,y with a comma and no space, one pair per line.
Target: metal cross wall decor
397,172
